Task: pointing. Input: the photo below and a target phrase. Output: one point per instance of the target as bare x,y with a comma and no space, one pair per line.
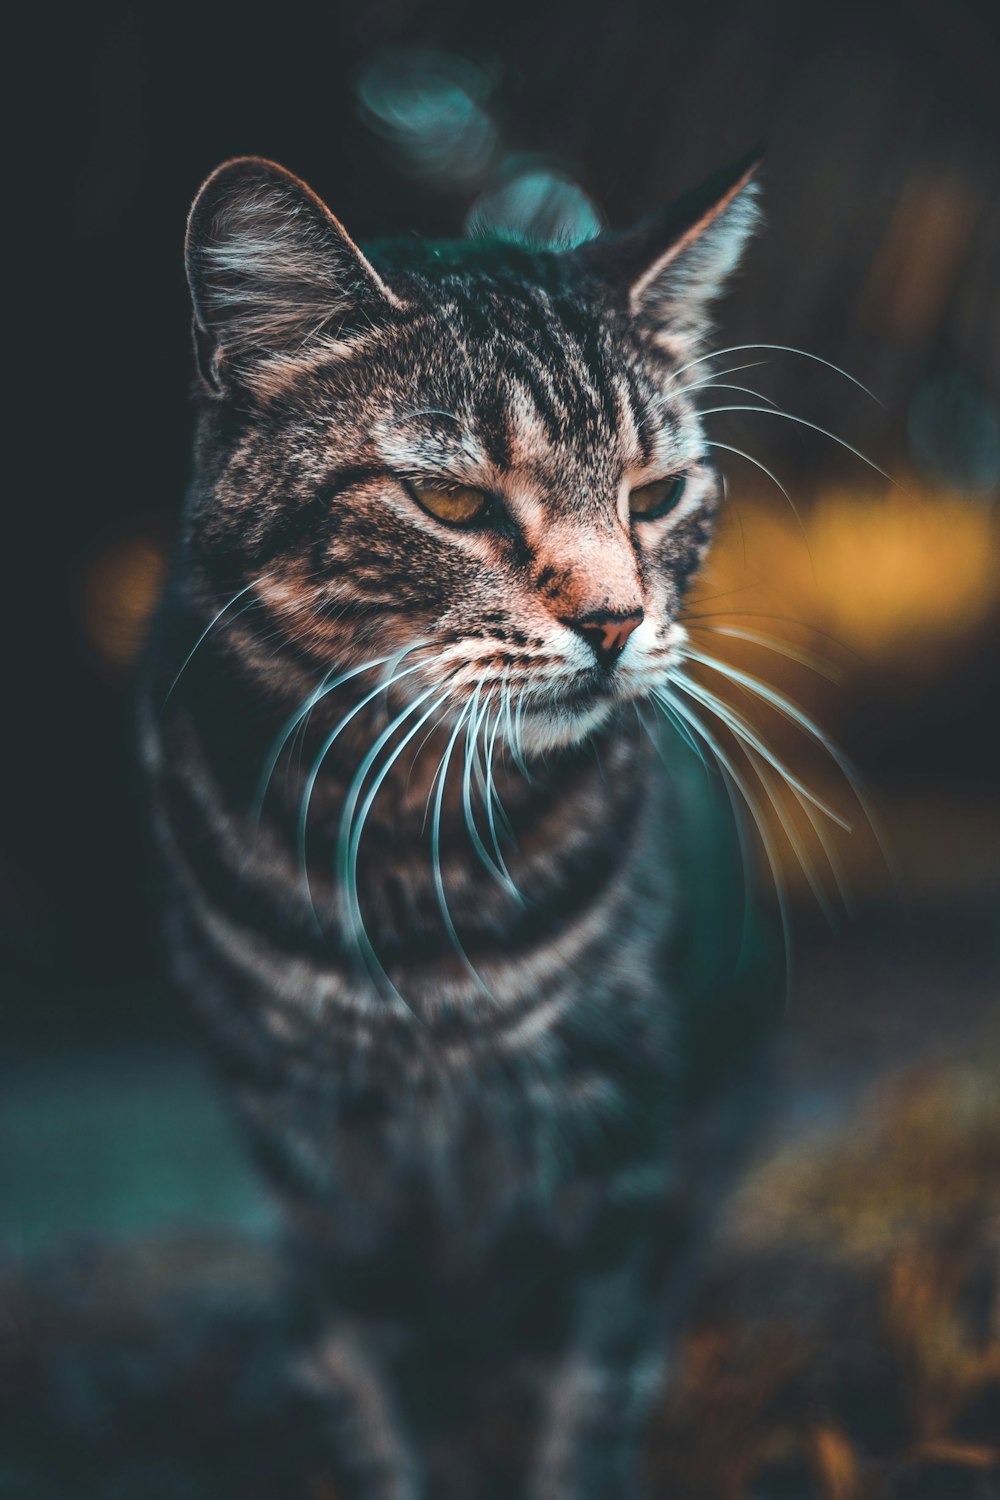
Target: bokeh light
535,204
430,106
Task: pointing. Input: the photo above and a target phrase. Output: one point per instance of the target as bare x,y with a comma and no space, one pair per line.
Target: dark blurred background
881,254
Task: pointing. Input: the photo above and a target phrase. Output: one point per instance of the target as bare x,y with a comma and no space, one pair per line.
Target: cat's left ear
670,269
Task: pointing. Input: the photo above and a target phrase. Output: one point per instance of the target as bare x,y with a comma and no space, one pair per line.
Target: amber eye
651,501
456,506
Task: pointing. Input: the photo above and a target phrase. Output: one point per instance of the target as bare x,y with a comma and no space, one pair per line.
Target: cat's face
484,456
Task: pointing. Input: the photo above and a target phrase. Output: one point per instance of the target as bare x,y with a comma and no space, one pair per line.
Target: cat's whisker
740,453
794,715
441,777
722,385
743,731
240,593
757,755
473,723
326,747
485,741
791,835
715,375
781,349
494,807
780,704
425,411
678,724
519,707
353,821
482,725
758,614
830,854
775,411
771,643
736,785
385,736
298,718
511,734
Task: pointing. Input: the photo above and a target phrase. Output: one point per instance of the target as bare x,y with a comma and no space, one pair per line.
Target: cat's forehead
518,377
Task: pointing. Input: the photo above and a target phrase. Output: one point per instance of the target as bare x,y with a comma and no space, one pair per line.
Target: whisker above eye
774,411
424,411
727,448
722,385
781,349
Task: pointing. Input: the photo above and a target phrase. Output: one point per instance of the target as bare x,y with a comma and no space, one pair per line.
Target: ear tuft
670,270
271,271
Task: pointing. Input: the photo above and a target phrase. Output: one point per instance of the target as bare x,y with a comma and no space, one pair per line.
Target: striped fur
474,1105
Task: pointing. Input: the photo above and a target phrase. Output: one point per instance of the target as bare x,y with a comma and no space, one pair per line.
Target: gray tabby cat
447,501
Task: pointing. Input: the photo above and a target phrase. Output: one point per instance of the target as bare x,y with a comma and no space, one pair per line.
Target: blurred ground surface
846,1341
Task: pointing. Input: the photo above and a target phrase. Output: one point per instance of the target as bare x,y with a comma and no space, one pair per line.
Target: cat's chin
560,726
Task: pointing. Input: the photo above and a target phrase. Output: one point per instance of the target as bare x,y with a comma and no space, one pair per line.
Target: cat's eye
456,506
650,501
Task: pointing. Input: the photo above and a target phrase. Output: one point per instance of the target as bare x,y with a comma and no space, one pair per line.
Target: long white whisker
513,736
830,853
781,349
681,728
325,687
714,375
743,731
212,624
324,751
774,411
723,385
790,711
771,643
495,808
778,702
735,780
353,822
473,723
794,842
442,898
728,448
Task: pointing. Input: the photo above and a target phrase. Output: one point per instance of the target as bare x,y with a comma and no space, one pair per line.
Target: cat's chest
451,1145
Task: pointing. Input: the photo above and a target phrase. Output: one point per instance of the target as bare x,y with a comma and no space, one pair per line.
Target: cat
415,841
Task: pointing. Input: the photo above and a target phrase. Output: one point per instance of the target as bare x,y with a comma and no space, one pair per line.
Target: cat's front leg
599,1395
348,1376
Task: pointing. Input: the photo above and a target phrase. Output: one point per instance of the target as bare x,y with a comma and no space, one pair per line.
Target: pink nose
606,632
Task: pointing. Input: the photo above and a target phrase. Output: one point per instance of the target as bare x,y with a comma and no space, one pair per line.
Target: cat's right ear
272,274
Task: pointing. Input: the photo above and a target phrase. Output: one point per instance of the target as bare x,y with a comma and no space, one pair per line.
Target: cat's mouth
567,713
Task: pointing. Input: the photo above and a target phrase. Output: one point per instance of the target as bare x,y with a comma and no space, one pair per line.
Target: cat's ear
271,273
670,269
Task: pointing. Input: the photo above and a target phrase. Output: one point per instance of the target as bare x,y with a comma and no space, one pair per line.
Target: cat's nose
606,632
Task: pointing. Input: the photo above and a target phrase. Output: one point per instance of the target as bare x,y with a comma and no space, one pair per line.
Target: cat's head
488,450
